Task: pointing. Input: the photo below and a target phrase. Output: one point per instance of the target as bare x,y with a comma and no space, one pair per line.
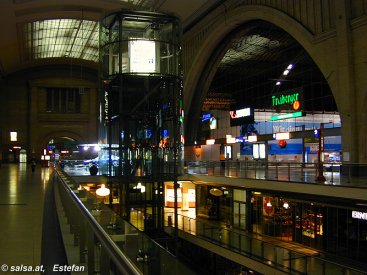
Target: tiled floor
21,207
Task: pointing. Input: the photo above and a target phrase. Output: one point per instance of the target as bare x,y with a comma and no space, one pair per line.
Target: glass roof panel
62,38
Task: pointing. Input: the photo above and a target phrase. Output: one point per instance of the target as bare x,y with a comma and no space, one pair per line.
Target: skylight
72,38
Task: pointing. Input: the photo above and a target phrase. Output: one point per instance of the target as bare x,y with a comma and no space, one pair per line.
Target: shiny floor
22,195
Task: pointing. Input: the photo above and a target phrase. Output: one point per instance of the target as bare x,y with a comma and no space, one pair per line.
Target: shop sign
240,113
287,116
205,117
284,99
359,215
288,100
314,147
106,105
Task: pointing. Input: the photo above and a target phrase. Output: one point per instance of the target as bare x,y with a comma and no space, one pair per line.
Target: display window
336,230
214,205
186,195
272,216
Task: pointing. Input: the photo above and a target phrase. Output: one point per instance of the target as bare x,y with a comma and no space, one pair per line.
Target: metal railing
283,171
282,258
107,243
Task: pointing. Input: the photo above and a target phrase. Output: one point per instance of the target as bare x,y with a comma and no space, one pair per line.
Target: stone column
346,88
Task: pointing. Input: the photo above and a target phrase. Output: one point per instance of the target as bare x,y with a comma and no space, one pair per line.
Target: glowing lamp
103,191
216,192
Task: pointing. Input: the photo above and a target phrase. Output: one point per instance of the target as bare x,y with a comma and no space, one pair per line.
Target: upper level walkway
325,174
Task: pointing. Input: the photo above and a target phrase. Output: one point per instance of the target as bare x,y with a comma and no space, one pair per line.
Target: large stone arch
44,139
197,80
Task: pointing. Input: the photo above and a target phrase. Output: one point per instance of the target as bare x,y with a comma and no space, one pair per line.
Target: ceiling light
290,66
216,192
286,72
278,83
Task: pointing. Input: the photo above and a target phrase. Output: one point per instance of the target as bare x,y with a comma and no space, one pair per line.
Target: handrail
123,264
335,173
137,253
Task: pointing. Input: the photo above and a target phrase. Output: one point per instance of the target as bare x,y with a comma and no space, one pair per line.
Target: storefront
214,202
319,225
185,195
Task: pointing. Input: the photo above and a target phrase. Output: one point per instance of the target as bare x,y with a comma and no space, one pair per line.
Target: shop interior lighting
141,187
216,192
278,83
286,72
268,204
103,191
286,205
290,66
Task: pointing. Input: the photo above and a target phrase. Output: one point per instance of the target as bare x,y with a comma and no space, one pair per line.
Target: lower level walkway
28,234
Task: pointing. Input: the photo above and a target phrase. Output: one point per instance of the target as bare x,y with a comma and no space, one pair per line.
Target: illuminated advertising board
291,100
242,116
142,56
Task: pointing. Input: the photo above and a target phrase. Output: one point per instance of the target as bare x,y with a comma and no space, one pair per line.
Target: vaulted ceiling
250,71
29,30
263,60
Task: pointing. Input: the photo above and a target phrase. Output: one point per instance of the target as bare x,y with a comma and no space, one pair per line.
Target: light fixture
290,66
286,205
268,204
103,191
278,83
141,187
216,192
286,72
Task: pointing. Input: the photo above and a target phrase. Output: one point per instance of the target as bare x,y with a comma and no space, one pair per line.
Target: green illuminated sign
284,99
286,116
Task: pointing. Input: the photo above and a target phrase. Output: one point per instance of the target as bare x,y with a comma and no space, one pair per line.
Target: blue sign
205,117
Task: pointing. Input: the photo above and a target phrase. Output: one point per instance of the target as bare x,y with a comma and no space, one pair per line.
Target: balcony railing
106,242
332,173
264,251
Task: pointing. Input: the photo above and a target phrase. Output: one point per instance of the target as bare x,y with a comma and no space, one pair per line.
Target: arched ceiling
252,69
21,40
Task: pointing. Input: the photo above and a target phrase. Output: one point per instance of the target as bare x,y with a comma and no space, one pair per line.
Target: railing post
276,170
246,166
104,262
289,171
290,260
82,242
90,244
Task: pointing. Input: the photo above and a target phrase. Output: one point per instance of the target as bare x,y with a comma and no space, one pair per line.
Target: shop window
63,100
